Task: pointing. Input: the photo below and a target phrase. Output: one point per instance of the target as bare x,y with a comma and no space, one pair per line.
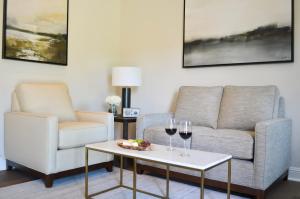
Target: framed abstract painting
235,32
36,30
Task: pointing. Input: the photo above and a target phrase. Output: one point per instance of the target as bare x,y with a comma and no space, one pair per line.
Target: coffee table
197,160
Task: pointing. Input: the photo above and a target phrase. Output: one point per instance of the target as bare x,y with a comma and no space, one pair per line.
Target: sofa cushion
244,106
237,143
157,135
78,134
200,105
46,98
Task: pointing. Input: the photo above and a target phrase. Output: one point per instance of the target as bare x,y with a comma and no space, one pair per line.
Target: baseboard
294,174
2,164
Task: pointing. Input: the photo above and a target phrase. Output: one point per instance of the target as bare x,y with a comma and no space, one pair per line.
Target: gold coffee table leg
134,179
121,170
167,181
202,185
86,173
229,179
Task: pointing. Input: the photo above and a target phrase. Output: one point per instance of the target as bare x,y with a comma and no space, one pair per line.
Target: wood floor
284,190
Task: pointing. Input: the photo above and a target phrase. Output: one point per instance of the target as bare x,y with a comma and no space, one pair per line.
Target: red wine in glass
171,130
185,132
185,135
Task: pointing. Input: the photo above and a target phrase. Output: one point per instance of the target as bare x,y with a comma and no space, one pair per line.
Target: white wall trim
2,164
294,174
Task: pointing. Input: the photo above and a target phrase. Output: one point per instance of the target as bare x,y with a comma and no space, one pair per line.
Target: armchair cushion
78,134
46,98
244,106
199,104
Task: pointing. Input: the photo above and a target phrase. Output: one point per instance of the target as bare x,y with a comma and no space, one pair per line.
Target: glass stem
170,142
184,147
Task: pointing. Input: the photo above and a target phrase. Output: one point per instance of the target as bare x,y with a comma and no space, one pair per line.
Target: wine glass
171,130
185,132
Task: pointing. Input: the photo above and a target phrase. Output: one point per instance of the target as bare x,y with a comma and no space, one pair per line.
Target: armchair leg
109,167
48,180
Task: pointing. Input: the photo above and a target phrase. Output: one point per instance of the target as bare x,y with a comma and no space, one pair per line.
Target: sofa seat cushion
78,134
46,98
199,104
239,144
157,135
244,106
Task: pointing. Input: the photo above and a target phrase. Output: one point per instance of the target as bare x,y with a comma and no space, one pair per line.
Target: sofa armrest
146,121
31,140
101,117
272,151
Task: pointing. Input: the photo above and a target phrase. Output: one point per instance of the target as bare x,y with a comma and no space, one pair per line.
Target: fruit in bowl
137,144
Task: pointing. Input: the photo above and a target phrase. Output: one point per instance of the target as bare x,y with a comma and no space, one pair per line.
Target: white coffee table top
198,160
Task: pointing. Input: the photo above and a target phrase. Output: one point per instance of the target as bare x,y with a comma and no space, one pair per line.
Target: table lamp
126,77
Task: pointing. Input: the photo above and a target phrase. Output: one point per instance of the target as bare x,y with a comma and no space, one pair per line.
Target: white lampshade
126,76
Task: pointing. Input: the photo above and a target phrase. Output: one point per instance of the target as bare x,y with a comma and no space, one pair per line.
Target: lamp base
126,98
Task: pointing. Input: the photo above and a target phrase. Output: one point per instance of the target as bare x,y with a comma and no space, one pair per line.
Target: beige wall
151,37
94,39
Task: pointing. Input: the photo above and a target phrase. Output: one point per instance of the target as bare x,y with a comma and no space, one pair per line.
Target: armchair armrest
149,120
272,151
31,140
101,117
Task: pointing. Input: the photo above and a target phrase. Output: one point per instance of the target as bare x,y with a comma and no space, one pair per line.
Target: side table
127,162
125,121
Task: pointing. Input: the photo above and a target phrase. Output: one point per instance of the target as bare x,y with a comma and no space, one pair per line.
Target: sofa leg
109,167
286,178
9,167
260,195
139,170
48,180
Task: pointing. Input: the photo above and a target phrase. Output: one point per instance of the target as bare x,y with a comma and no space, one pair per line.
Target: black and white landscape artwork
230,32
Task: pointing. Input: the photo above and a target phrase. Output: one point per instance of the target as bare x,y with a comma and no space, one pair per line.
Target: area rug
73,188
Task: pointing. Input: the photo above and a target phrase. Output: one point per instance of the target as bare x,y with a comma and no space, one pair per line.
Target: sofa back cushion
46,98
243,106
200,105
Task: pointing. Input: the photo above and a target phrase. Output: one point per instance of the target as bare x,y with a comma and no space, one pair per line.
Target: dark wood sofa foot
109,167
48,180
139,170
260,195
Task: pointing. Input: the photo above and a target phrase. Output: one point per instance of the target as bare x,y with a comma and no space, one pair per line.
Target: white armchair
44,134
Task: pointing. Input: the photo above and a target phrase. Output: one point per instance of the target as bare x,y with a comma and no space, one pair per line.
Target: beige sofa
45,134
247,122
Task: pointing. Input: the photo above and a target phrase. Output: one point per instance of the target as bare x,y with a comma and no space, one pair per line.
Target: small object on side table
113,102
